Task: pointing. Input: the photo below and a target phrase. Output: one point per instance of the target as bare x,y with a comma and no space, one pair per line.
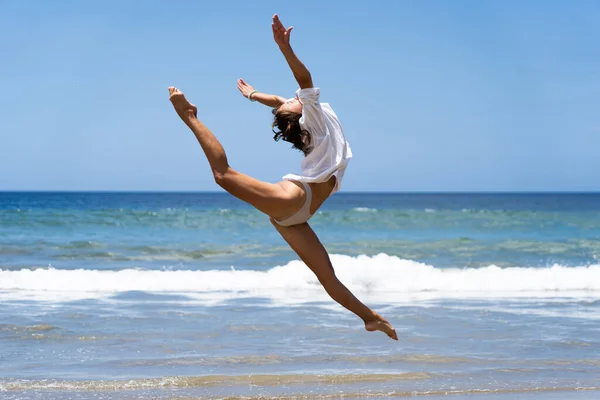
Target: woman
312,128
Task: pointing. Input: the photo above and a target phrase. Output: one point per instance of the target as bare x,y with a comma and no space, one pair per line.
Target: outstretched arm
282,38
270,100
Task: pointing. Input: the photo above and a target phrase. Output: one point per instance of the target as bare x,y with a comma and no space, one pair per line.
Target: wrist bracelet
250,95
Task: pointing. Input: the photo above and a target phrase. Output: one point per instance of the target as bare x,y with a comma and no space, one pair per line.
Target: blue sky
432,95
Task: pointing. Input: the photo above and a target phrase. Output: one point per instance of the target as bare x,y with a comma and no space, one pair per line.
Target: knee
221,178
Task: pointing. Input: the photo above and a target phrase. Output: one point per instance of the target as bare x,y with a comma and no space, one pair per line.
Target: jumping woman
314,129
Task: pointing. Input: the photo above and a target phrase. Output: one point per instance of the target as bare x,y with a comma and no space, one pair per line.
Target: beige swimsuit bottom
303,214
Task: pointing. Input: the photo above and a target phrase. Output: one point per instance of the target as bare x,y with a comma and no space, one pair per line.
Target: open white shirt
329,152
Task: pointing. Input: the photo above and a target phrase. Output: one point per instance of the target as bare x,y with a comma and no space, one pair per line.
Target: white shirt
329,152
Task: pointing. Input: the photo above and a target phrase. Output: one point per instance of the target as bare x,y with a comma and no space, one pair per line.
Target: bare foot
381,324
183,107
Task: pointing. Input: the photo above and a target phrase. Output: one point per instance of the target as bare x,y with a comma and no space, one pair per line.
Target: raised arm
248,92
282,38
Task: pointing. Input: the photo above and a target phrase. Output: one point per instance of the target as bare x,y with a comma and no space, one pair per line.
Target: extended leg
276,200
303,240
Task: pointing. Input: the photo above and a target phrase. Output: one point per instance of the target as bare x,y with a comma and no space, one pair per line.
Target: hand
244,87
184,108
280,34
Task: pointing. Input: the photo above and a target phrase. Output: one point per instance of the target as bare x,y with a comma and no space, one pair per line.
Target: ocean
195,295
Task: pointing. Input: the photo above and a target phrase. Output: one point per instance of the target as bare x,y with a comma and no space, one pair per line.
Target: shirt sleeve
312,114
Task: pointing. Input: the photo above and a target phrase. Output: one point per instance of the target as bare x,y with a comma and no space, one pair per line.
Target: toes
175,93
172,91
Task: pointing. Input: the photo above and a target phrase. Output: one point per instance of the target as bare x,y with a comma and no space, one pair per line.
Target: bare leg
274,199
303,240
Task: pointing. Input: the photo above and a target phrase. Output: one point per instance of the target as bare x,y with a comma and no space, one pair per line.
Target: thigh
278,200
305,242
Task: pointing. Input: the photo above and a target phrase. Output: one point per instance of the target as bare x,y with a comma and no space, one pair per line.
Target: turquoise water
181,295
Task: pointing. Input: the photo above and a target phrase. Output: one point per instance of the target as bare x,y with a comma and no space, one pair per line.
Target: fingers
277,22
277,25
280,33
242,85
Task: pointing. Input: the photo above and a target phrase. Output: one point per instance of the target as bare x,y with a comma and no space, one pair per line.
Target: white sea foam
383,278
364,209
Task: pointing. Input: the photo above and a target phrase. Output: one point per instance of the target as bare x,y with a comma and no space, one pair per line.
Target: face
292,105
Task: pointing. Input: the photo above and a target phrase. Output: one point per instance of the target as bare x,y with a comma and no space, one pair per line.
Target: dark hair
289,129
